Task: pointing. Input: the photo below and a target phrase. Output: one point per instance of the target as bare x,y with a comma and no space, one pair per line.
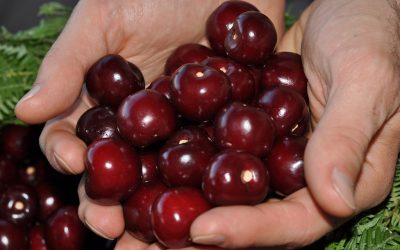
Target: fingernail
35,88
62,165
344,186
96,231
211,239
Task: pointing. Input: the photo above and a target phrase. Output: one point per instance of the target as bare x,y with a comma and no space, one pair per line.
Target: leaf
21,54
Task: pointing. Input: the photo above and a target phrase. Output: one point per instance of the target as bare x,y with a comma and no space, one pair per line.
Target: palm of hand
144,32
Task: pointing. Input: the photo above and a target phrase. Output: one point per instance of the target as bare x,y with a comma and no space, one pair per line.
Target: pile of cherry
224,126
38,206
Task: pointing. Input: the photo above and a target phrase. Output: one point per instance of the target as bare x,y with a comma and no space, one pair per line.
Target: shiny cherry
184,164
183,158
12,237
146,117
242,81
199,91
110,79
252,38
113,171
288,110
285,68
163,85
19,204
235,178
137,210
37,238
221,21
64,230
173,213
191,134
285,164
50,200
34,173
186,53
96,123
245,128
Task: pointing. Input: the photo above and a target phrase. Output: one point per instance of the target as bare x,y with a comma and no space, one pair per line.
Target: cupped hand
350,52
350,58
143,32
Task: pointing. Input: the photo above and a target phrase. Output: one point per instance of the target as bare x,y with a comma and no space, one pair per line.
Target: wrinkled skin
350,52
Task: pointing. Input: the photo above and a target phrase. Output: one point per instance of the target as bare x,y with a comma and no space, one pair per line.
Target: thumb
61,74
337,149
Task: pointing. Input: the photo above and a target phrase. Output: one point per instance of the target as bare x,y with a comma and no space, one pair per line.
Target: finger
295,221
106,221
64,150
60,77
377,174
337,150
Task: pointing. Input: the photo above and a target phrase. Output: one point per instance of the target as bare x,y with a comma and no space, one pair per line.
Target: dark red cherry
146,117
186,53
221,21
12,237
8,171
35,173
163,85
113,170
111,79
19,204
184,164
137,210
252,38
242,81
96,123
285,165
37,240
288,110
17,141
199,91
235,178
173,213
50,200
64,230
245,128
150,172
285,68
191,134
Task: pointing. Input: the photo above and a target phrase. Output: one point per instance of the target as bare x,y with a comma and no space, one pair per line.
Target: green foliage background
20,57
21,54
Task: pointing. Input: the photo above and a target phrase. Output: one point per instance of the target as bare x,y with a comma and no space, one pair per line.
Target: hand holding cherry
301,210
201,172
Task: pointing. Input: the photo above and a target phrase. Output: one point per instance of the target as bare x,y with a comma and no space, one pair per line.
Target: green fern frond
377,229
21,54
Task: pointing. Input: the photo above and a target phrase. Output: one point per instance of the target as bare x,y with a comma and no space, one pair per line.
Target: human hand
143,32
350,52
